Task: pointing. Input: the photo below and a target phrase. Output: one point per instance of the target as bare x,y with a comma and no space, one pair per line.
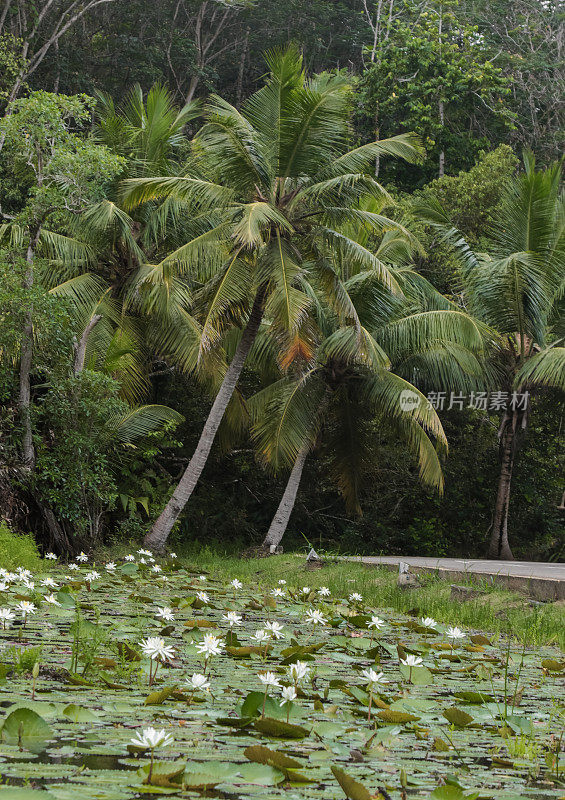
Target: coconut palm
268,190
517,289
348,390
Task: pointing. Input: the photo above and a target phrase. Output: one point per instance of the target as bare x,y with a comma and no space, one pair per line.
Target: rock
405,578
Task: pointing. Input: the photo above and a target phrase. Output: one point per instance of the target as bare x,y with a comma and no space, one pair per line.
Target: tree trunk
159,533
280,520
26,356
499,545
80,352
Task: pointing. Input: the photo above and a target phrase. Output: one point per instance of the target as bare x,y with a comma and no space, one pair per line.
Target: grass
498,610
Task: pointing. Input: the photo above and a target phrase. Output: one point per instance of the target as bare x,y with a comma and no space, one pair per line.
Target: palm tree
268,190
348,389
517,289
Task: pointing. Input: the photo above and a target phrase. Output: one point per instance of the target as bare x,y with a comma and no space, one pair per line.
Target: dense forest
283,269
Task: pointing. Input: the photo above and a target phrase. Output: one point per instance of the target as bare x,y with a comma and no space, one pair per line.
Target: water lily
232,618
288,695
6,617
202,578
26,608
151,739
268,679
428,622
198,683
203,597
111,566
51,556
236,584
156,568
372,679
282,582
323,591
51,599
82,557
91,576
73,567
278,592
165,613
355,597
172,555
306,590
261,636
155,648
274,629
210,646
411,661
129,557
454,633
315,617
49,582
298,671
375,624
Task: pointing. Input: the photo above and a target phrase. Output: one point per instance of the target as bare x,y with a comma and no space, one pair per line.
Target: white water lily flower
3,587
142,560
111,566
298,671
411,661
28,584
82,556
51,556
269,679
210,646
355,597
373,677
91,576
152,738
51,599
232,618
282,582
155,648
202,578
25,608
143,552
199,682
23,573
274,629
129,557
278,592
6,617
376,622
49,582
288,694
73,567
172,555
306,590
428,622
323,591
165,613
156,568
315,617
236,584
454,633
203,597
261,636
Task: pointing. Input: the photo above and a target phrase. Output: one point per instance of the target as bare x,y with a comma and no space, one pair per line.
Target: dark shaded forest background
502,71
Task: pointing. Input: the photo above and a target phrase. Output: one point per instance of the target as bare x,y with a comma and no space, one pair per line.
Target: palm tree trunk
26,357
159,533
499,546
280,520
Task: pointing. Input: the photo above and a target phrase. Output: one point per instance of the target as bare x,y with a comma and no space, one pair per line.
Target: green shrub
18,550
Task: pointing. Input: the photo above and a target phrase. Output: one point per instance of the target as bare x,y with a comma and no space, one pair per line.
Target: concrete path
544,581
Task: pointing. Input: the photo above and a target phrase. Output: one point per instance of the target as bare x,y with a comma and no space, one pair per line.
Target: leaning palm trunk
280,520
26,357
499,546
159,533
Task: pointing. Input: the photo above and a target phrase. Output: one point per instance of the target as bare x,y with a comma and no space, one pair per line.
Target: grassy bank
496,610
